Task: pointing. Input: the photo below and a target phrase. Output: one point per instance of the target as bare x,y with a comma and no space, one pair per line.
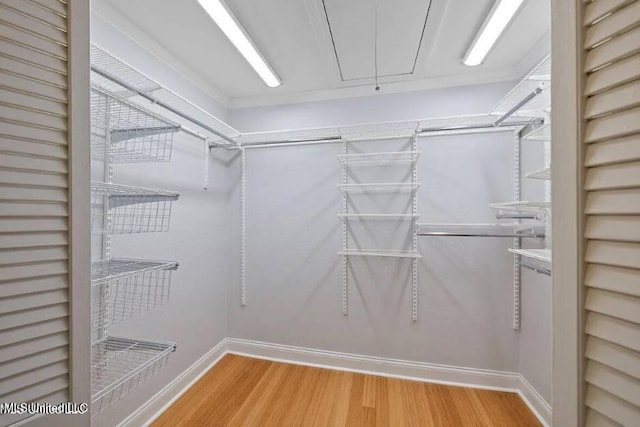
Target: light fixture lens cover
230,27
496,22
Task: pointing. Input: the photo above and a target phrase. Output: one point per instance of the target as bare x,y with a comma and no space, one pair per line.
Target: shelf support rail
243,227
537,91
414,261
516,240
343,181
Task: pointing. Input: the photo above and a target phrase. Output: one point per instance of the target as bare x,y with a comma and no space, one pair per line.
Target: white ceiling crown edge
110,15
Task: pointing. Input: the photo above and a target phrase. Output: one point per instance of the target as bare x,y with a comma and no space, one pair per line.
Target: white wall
383,107
195,316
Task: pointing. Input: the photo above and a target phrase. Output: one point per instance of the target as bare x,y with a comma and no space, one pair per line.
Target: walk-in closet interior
320,212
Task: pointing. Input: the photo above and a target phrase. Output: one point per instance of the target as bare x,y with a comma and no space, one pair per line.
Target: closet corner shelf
537,254
481,230
381,159
521,206
127,132
544,173
119,365
386,187
380,253
541,133
407,217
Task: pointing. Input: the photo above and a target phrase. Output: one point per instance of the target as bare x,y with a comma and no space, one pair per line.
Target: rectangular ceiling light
222,16
501,14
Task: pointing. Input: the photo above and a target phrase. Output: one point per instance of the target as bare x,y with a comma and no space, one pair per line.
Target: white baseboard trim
161,401
417,371
540,408
393,368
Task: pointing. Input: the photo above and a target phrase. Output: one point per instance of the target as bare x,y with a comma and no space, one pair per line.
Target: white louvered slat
29,37
620,254
33,227
35,300
614,151
617,331
613,50
614,24
39,390
596,419
32,239
40,284
615,382
620,228
28,178
30,133
33,117
31,316
617,279
34,361
614,75
26,101
613,407
623,175
33,194
597,9
32,209
36,88
34,376
13,66
32,347
33,163
613,202
19,272
609,354
614,126
34,331
616,99
36,14
55,6
32,148
616,305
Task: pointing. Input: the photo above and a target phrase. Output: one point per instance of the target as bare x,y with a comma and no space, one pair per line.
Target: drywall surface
479,99
293,275
536,292
195,316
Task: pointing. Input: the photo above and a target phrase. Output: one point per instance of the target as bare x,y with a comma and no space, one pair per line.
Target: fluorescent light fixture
501,14
231,28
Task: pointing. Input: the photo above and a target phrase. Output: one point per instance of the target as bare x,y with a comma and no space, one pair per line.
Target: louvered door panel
612,208
34,230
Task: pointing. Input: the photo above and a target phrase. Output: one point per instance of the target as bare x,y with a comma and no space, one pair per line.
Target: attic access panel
401,25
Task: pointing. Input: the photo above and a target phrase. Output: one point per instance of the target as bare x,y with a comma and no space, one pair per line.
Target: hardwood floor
241,391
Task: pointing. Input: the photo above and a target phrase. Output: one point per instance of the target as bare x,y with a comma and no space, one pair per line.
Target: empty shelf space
122,209
537,254
381,253
387,187
482,230
125,132
390,217
541,133
544,173
372,159
119,365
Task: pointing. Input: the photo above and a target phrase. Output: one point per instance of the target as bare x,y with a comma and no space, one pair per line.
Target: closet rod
155,100
537,91
475,127
535,268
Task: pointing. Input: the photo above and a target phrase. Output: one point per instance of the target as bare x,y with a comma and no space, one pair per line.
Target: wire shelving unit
125,132
119,365
521,206
537,254
542,173
123,209
481,230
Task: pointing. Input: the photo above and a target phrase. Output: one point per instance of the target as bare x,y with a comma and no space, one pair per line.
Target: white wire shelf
379,187
539,77
382,159
481,230
129,209
123,288
407,217
124,132
541,133
521,206
544,173
119,365
381,253
537,254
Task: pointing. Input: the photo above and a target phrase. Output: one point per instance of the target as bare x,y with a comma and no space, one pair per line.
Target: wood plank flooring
241,391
